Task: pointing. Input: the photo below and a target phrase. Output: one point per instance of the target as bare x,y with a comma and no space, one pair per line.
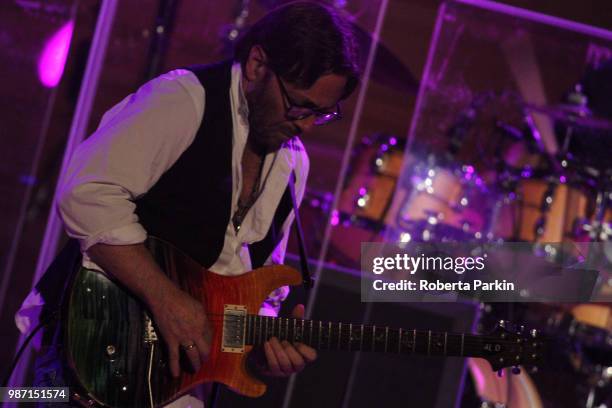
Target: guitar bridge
234,328
150,336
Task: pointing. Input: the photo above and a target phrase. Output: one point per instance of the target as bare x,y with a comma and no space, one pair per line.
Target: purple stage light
335,218
53,57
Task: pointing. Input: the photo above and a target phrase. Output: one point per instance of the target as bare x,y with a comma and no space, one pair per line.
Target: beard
265,134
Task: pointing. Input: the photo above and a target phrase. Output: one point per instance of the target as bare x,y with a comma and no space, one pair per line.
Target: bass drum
442,201
513,391
587,329
375,168
541,211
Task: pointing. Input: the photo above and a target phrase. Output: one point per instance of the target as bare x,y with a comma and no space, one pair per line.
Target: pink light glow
479,378
53,58
335,218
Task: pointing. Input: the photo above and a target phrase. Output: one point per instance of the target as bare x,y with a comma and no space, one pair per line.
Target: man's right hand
182,323
181,319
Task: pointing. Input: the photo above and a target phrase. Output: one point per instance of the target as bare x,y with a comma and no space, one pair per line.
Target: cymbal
573,115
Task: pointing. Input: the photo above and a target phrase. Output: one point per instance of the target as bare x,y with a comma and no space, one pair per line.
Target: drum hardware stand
597,231
547,200
599,381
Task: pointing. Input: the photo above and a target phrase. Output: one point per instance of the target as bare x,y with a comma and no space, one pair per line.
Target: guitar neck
323,335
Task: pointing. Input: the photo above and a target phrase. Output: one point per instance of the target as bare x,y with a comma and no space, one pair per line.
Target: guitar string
470,339
222,317
218,317
471,345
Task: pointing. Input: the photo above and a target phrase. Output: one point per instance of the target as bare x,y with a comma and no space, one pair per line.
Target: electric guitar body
118,357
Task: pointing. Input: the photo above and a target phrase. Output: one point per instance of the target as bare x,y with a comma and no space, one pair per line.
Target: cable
22,349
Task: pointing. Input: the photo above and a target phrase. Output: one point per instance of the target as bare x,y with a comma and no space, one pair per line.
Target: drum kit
513,191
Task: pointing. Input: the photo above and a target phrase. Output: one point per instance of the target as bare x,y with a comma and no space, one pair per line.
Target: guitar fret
399,342
374,338
248,333
254,321
287,329
266,335
386,338
246,329
414,341
294,329
339,334
462,343
276,328
253,340
329,335
350,336
445,341
320,332
258,324
302,331
273,332
361,339
261,330
429,342
311,324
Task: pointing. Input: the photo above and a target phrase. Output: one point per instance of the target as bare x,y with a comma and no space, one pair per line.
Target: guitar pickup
234,328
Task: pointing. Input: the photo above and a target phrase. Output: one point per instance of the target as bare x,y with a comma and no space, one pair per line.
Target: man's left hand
284,358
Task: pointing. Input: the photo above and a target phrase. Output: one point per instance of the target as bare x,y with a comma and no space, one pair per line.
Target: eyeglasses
296,112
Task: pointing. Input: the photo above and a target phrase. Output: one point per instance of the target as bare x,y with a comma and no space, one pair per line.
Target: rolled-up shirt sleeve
136,142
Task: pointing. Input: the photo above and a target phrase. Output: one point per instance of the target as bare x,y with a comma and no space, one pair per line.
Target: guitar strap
307,281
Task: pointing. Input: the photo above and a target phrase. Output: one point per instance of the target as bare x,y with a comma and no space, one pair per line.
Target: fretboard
323,335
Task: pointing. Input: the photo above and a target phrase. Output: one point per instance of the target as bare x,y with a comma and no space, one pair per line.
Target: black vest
190,205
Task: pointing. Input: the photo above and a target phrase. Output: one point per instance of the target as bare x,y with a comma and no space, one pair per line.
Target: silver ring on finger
189,346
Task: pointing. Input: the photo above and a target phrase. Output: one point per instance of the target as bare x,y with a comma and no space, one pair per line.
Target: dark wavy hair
303,41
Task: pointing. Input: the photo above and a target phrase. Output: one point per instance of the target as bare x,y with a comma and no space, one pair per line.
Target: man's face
268,105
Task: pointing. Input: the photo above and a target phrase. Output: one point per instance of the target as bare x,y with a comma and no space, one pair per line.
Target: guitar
119,360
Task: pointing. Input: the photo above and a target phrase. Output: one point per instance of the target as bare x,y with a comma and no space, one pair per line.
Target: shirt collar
243,106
